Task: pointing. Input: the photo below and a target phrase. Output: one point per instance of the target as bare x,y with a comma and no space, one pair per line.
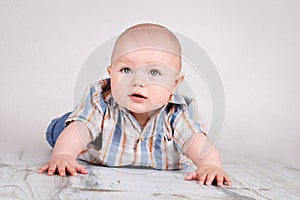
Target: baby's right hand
63,164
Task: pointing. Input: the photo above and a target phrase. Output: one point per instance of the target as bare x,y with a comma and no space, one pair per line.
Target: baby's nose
138,79
138,83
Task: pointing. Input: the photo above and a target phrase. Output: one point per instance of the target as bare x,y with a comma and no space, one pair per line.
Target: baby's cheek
116,85
113,81
160,96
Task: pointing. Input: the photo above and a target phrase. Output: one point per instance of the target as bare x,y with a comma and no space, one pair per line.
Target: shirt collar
177,98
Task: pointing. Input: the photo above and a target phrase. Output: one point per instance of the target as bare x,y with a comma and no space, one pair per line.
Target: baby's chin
143,110
140,108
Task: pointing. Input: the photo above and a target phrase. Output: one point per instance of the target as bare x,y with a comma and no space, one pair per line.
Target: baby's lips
136,94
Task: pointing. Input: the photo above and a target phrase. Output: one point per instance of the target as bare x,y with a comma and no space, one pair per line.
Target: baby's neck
143,118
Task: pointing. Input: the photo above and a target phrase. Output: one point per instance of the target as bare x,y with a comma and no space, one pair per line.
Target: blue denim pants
55,128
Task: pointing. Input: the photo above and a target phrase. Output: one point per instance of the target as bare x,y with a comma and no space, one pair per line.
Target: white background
255,46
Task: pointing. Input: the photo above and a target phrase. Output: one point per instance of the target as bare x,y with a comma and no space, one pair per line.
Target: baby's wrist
62,155
210,163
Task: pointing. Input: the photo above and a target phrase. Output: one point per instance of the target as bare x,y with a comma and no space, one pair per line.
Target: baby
136,117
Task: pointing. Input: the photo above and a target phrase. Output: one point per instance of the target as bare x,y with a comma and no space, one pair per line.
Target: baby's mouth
138,96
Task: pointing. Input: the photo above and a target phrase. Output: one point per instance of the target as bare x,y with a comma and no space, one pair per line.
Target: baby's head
145,67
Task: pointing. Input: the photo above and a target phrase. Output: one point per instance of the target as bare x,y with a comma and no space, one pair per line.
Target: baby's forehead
149,57
155,38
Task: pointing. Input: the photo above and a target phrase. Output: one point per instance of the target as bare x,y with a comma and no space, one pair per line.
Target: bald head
146,36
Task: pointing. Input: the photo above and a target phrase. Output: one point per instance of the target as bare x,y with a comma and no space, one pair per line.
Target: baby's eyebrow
131,63
127,62
155,64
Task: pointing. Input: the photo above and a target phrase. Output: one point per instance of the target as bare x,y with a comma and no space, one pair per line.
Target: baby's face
144,80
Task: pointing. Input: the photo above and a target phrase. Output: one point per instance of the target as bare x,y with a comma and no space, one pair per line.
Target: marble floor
251,180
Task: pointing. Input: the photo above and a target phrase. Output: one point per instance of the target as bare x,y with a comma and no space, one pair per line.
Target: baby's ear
179,79
108,68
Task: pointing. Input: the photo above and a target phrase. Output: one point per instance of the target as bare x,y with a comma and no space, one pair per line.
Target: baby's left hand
206,174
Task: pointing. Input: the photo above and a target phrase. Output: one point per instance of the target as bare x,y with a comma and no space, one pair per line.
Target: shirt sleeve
90,110
187,123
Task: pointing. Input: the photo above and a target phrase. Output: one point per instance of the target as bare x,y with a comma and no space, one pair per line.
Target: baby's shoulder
179,98
99,92
102,85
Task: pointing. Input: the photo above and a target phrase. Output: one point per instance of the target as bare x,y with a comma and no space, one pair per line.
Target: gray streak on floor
251,180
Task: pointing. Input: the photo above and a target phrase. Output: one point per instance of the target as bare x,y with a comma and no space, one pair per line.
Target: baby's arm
206,157
68,146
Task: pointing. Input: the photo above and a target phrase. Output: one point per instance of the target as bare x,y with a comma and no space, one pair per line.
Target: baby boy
136,117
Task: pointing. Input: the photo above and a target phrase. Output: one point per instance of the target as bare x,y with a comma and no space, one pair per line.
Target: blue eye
154,72
126,70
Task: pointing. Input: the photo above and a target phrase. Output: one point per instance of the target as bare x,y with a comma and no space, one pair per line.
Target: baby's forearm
201,151
72,141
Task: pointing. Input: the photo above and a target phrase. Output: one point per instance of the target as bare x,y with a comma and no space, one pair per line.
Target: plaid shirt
119,140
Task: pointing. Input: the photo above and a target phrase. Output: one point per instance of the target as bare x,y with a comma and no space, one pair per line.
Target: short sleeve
187,123
90,110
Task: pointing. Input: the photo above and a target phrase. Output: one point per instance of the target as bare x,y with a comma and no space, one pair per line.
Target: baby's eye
126,70
154,72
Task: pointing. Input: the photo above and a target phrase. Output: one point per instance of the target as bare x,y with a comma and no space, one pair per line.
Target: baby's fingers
210,177
52,169
191,176
81,169
61,168
227,180
43,169
71,169
220,179
202,177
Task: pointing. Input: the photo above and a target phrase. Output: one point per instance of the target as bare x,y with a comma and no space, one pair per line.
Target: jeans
55,128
